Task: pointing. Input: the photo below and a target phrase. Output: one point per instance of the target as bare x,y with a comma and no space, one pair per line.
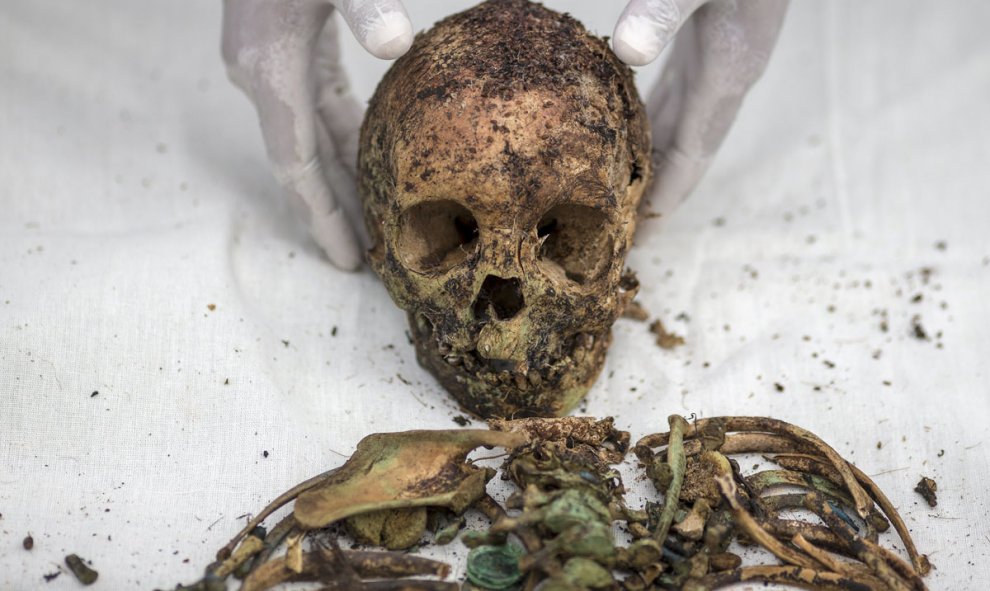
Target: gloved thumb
647,26
380,26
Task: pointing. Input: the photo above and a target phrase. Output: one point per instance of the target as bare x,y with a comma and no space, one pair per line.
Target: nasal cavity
501,297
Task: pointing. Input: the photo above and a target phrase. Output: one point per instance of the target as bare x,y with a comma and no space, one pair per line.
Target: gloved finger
339,110
380,26
666,100
341,179
717,57
307,184
676,174
675,171
269,48
333,232
340,117
646,27
332,228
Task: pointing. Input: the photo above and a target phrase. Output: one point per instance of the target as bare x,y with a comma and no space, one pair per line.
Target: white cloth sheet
165,321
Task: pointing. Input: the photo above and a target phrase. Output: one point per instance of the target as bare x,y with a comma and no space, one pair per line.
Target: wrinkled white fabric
146,256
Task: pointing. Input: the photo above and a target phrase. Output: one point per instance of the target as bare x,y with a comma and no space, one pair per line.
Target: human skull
501,163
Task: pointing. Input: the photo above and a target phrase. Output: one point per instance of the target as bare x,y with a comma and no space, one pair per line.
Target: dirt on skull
501,164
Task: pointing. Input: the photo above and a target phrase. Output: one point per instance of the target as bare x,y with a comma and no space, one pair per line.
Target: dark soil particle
635,311
51,576
778,386
917,330
462,420
926,487
85,574
28,542
665,340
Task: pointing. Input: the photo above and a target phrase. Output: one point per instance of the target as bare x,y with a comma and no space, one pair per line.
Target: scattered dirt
636,311
462,420
884,319
78,566
28,542
920,287
665,340
926,488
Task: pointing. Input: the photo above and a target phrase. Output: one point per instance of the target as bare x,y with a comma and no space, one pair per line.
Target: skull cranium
501,164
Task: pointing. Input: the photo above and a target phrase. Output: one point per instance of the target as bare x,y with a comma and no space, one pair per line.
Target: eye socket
576,241
436,235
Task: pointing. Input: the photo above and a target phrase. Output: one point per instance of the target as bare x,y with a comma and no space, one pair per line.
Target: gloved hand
284,55
721,49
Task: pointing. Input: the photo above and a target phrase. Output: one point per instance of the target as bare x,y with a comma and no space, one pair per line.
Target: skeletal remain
501,164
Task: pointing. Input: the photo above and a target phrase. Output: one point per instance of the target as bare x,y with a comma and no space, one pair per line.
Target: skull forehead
525,154
498,100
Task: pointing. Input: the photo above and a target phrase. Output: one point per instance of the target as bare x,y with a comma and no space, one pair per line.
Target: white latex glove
284,55
721,49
